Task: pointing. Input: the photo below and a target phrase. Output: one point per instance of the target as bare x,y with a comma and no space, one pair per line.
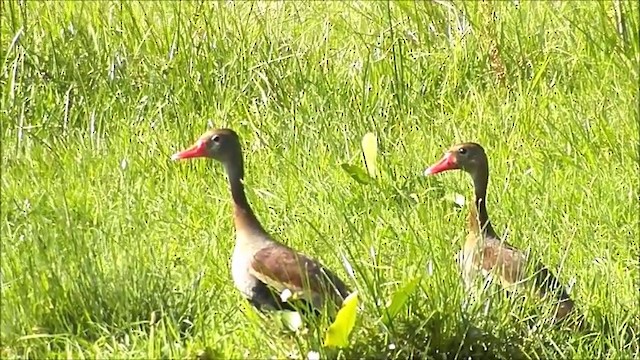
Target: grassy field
110,250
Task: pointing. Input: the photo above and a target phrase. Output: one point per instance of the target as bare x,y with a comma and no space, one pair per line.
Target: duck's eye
215,138
462,151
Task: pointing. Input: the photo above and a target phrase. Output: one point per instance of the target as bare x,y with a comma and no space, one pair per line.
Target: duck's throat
480,183
243,217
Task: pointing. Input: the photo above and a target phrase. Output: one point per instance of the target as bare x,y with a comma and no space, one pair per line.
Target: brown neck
480,183
243,217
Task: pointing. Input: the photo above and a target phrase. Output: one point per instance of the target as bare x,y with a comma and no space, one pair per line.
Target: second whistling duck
262,268
483,250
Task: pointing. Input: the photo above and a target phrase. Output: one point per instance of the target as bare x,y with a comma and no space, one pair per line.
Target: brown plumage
483,250
296,272
261,267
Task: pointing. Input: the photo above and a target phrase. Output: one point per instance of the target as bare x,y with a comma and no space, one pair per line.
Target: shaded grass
110,250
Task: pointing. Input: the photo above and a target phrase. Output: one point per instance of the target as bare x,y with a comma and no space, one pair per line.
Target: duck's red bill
197,150
448,162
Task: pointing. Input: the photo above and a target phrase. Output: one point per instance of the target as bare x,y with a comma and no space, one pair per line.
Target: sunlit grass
111,250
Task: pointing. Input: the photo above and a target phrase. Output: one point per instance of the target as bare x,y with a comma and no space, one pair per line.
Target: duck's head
469,157
219,144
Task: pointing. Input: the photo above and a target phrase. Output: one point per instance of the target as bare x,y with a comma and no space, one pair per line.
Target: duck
269,274
483,250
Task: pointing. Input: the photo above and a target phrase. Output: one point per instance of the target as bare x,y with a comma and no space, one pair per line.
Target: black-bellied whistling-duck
483,250
262,268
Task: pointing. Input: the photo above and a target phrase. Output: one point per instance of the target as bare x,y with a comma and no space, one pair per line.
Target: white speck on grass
285,295
413,36
430,268
257,145
392,346
112,71
378,54
459,200
348,267
27,205
92,122
356,66
432,29
123,164
313,355
572,282
292,319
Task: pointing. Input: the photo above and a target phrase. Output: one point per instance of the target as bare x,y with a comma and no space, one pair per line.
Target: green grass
111,250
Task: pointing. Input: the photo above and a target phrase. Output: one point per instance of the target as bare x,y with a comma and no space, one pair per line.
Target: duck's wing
285,269
489,253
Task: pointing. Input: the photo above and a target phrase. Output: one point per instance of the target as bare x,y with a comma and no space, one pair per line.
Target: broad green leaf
338,333
370,152
400,297
356,173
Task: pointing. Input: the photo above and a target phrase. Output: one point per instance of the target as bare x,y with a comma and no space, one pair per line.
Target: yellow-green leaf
338,333
401,296
356,173
370,152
